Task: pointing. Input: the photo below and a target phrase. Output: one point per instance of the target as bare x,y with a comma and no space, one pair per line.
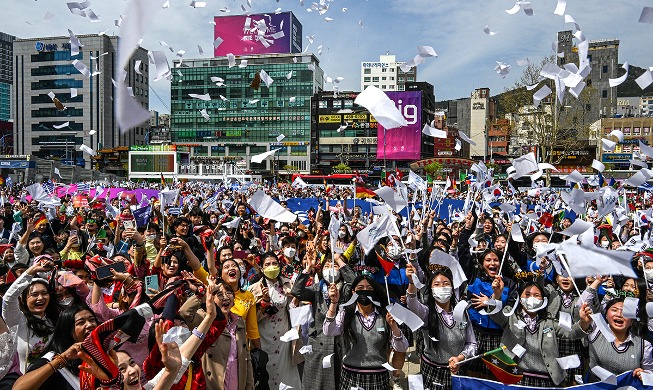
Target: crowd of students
206,299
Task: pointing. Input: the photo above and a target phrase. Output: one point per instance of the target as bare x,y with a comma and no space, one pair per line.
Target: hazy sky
467,56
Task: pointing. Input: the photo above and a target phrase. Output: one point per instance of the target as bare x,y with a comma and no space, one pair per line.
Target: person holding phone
30,304
273,298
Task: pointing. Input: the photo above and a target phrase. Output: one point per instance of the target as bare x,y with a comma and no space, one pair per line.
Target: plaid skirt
368,379
573,347
433,374
536,381
484,342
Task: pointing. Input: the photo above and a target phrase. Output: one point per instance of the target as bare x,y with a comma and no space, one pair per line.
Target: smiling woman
58,367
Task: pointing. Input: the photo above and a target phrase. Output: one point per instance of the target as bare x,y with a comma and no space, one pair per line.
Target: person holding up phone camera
273,298
30,304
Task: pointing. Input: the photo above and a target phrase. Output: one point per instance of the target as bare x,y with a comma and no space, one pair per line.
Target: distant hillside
630,88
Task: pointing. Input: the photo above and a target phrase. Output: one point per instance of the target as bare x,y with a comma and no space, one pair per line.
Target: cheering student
446,341
628,351
369,331
529,326
480,276
313,287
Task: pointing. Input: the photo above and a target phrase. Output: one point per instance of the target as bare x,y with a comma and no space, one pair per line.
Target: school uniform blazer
546,334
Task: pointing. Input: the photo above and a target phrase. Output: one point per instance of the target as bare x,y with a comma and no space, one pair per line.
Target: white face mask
442,294
531,303
150,238
649,274
66,302
330,275
394,252
342,234
604,244
290,252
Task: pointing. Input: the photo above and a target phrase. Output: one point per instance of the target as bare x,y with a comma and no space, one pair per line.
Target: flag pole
163,214
505,251
563,261
503,347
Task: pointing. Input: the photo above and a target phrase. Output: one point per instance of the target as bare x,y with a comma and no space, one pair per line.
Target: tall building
344,132
386,74
6,75
482,110
243,121
603,57
44,65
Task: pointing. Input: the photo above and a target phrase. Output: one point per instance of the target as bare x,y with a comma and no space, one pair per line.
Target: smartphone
129,224
104,272
240,254
151,282
73,233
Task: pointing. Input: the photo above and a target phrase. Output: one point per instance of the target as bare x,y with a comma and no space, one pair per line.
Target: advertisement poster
403,143
257,34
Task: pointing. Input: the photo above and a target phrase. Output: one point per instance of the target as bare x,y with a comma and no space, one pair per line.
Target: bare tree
558,129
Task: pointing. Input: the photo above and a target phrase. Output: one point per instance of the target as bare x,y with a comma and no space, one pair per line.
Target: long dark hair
350,311
434,320
62,335
39,326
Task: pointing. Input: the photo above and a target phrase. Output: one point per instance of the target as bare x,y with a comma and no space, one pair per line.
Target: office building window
604,93
367,79
375,79
367,71
605,69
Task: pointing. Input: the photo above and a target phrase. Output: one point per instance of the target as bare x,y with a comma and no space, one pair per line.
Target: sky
466,55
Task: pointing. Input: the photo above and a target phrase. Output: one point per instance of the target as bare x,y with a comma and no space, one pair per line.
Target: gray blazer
547,332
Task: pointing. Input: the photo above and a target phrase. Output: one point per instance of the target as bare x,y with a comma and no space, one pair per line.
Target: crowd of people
211,292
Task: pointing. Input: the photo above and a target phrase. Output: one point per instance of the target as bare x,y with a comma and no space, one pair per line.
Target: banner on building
403,143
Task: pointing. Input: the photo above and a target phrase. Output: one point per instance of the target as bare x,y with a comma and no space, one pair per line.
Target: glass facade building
6,75
244,121
44,65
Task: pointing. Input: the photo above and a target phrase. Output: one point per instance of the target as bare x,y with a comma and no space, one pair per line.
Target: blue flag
624,381
142,215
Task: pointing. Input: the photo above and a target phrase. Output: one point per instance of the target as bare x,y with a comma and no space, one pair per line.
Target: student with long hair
58,367
369,331
30,304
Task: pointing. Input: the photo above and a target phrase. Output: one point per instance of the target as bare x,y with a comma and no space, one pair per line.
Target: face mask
394,252
214,220
365,297
531,303
649,274
66,302
442,294
150,238
271,272
330,275
342,234
536,245
604,244
289,252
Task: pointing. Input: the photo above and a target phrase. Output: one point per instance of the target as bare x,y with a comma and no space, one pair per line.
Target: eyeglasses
223,296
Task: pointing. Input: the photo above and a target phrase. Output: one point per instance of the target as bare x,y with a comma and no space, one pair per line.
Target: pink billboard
402,143
257,34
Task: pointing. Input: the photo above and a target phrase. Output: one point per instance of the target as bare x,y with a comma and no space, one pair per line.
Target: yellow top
245,307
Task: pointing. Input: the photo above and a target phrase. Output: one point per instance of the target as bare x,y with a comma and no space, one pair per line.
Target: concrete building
44,65
499,138
635,130
629,107
344,132
386,74
6,75
244,121
603,56
483,111
646,106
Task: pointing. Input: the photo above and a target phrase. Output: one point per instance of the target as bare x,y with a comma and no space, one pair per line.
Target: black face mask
365,297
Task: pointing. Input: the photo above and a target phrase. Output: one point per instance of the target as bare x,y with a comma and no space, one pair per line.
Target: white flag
589,261
378,229
269,208
169,197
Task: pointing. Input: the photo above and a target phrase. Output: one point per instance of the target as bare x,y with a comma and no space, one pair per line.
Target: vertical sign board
403,143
